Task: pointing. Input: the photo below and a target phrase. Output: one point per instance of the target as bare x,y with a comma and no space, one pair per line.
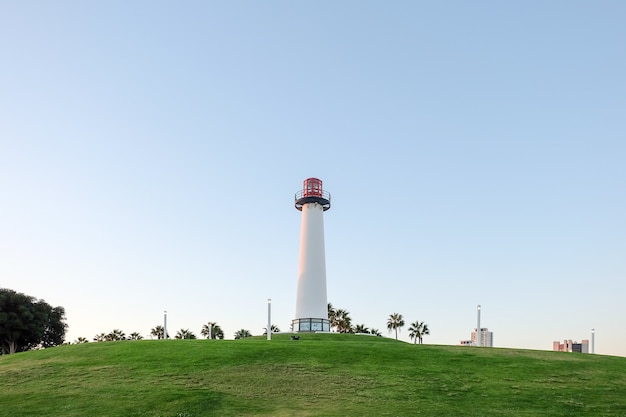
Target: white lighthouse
311,304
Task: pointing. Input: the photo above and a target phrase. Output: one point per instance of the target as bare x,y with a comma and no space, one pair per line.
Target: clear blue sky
475,152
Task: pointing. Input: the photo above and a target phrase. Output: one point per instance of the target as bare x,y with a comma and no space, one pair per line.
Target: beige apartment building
570,346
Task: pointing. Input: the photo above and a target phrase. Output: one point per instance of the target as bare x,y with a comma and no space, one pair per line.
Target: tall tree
26,323
395,322
415,331
212,330
332,313
425,331
243,333
54,330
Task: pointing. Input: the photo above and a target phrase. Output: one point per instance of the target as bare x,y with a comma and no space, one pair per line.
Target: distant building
569,346
486,338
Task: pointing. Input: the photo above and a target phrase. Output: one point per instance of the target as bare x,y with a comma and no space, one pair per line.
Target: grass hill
319,375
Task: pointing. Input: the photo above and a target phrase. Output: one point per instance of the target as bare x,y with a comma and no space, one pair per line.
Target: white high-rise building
486,337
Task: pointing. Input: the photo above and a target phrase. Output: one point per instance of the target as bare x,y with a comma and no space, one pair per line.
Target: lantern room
312,187
312,192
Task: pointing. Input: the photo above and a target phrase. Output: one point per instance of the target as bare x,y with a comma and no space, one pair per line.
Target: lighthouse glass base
311,325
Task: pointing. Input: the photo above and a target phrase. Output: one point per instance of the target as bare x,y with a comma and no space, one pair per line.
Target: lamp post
478,338
593,340
165,325
269,319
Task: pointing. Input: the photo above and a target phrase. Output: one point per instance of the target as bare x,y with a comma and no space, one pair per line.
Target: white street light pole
593,340
478,338
269,319
165,325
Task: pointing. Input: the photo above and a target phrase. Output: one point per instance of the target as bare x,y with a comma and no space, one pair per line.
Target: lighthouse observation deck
312,192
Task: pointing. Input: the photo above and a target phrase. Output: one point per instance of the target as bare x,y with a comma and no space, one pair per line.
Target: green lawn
319,375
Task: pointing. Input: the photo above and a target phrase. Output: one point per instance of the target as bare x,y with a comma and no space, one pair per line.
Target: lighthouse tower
311,304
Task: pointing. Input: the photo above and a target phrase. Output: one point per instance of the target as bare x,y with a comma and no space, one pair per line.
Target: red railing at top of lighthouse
312,192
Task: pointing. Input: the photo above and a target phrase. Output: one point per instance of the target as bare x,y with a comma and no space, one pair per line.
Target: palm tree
157,331
218,333
360,328
415,331
81,340
332,313
273,328
185,334
376,332
212,330
425,331
240,334
100,337
394,322
135,336
418,330
342,321
116,334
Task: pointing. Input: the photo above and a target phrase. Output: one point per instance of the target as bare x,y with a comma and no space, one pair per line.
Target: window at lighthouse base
311,325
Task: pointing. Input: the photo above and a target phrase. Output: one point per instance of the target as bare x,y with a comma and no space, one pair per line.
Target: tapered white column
165,325
269,319
478,335
593,340
311,298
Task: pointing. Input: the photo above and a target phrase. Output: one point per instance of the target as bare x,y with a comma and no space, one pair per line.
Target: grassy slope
319,375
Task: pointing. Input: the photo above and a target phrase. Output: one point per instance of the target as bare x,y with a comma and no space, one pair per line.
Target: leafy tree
26,323
394,322
55,327
243,333
360,328
135,336
274,329
185,334
376,332
212,330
